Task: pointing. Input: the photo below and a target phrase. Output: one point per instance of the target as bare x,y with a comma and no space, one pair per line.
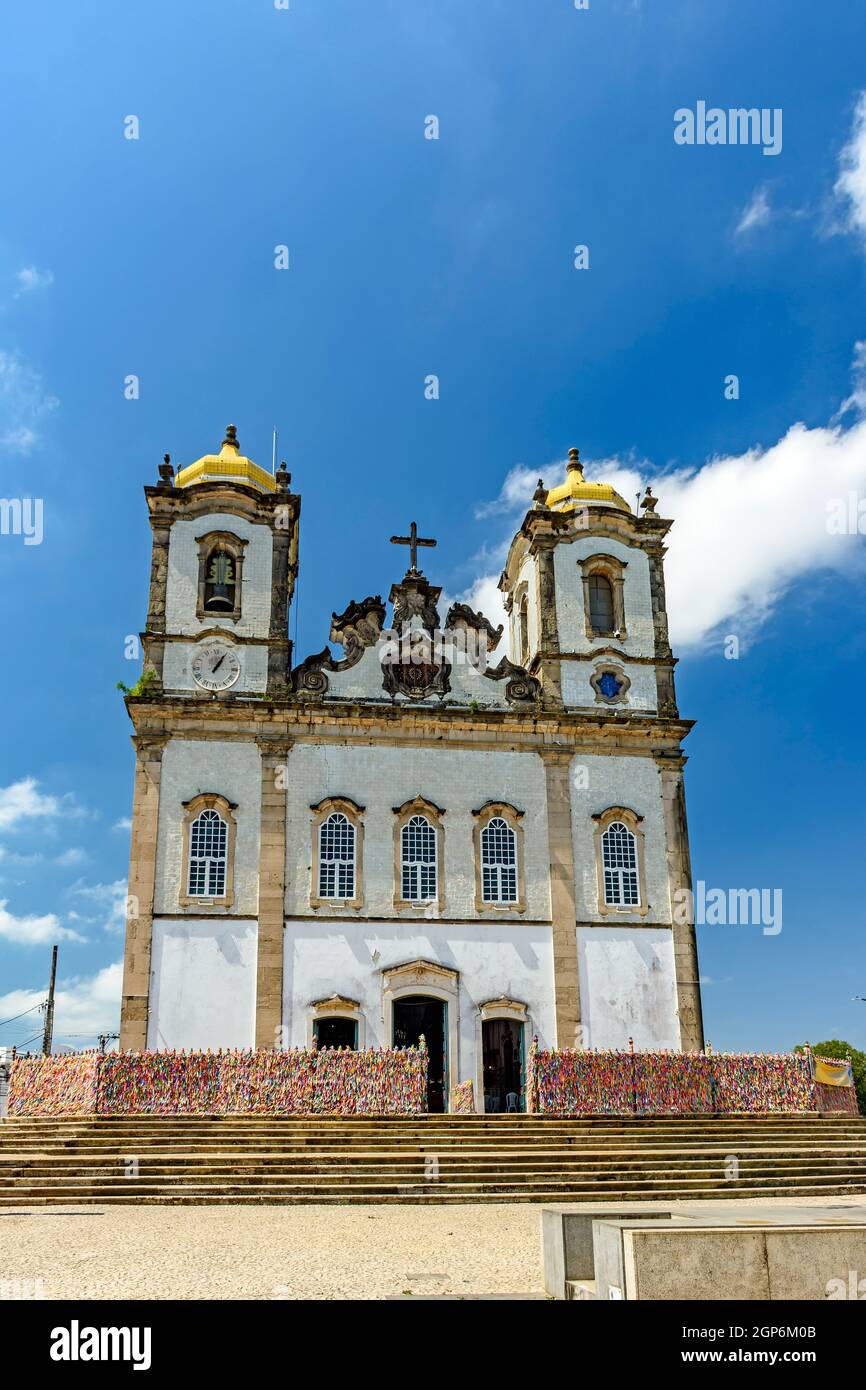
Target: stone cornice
359,722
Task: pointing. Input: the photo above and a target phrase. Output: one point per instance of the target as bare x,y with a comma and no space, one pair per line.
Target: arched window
600,604
220,575
418,860
337,857
220,582
208,856
498,862
620,866
523,630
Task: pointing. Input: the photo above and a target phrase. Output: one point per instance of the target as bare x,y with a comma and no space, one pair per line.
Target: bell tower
223,569
584,589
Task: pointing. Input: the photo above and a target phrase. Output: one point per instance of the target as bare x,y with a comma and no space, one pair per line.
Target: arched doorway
336,1032
502,1044
415,1015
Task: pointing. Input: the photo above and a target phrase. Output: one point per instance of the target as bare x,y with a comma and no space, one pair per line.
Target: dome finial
574,463
231,439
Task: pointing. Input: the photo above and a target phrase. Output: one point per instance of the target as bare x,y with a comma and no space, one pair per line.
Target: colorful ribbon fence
462,1099
376,1081
62,1085
577,1082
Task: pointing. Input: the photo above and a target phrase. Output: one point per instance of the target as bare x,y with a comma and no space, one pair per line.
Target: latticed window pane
208,851
418,860
619,863
498,862
600,603
337,857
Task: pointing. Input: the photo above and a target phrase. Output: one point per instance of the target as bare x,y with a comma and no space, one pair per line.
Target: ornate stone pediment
336,1004
359,626
414,598
413,666
460,615
521,688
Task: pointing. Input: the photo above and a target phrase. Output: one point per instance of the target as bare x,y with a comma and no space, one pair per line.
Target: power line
24,1015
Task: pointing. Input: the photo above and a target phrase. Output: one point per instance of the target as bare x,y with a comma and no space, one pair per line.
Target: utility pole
48,1035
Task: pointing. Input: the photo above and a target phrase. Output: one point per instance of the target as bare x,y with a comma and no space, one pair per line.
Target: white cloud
109,900
24,402
850,186
756,213
746,526
516,491
82,1005
32,279
70,857
23,801
123,824
33,931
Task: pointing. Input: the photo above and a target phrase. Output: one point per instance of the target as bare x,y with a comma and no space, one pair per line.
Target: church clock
215,666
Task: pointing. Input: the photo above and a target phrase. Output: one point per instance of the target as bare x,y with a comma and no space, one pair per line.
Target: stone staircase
430,1158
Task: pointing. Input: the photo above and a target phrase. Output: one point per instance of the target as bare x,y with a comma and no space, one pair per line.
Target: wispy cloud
850,187
30,278
756,213
24,403
107,903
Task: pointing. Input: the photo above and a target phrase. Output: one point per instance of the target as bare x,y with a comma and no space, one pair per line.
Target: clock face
215,666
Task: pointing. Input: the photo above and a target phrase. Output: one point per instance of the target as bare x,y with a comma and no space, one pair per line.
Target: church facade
422,834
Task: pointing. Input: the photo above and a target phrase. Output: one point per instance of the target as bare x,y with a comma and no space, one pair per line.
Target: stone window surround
354,814
616,670
234,546
337,1006
419,806
632,821
612,569
208,801
513,818
521,624
426,977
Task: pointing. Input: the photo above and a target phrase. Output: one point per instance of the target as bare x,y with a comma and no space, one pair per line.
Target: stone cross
413,540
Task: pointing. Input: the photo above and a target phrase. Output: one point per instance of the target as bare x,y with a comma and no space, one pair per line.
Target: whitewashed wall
570,613
634,782
380,778
628,987
577,690
182,588
176,673
348,958
191,767
203,984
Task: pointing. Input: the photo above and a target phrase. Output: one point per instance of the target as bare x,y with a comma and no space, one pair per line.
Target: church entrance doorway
336,1032
416,1015
502,1046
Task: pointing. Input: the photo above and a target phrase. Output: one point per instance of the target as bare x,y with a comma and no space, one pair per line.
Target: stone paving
271,1252
279,1252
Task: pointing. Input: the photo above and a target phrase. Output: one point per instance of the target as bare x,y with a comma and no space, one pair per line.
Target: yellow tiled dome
575,492
228,464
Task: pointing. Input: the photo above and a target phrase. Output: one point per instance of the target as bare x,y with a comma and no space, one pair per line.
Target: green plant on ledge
142,686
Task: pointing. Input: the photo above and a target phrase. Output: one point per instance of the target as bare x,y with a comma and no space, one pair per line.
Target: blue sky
408,257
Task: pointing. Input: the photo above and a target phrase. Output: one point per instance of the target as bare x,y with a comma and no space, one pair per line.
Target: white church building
416,833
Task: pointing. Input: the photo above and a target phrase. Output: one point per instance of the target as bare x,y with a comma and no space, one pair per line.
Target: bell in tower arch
219,594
